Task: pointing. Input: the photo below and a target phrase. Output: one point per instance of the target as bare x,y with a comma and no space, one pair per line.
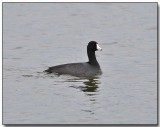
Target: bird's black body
84,69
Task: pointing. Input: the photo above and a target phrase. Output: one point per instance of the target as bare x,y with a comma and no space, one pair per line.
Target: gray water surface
39,35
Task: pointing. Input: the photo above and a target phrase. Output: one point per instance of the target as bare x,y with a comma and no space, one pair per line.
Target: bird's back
75,69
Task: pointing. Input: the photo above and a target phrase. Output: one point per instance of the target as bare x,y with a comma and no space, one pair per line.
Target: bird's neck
92,57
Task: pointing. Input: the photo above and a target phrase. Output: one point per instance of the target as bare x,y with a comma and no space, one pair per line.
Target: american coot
85,69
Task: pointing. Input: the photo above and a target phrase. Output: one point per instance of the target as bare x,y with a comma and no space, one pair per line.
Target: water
39,35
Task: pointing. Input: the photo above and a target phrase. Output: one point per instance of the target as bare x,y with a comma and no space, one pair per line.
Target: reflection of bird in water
90,85
90,88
